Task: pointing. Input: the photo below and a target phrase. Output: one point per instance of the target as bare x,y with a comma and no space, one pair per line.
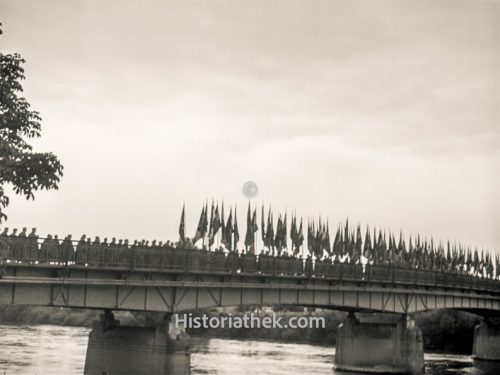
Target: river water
54,350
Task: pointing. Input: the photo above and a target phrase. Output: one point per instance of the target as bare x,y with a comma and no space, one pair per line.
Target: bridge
175,279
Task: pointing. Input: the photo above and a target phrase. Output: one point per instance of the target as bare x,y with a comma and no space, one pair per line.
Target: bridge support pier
486,348
379,348
120,350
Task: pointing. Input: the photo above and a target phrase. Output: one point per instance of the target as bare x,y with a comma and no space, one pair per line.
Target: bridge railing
29,253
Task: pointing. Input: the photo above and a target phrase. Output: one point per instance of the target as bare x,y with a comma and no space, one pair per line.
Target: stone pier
379,347
119,350
486,349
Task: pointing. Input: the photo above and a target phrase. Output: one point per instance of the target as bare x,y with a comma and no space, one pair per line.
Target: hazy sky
383,111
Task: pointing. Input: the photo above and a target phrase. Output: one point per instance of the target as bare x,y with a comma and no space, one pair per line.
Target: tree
22,168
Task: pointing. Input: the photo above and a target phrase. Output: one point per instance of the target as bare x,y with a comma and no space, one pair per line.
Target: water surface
54,350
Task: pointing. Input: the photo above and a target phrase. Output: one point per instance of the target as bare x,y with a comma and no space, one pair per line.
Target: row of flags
229,229
348,243
274,238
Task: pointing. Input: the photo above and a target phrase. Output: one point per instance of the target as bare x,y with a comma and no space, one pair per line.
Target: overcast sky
386,112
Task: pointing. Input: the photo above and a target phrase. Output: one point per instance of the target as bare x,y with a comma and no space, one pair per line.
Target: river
54,350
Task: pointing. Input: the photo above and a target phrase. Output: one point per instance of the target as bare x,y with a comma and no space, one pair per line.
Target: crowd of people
348,247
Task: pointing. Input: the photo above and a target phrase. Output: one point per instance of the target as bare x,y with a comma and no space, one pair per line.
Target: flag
337,243
401,244
310,238
318,241
182,227
359,242
263,228
205,221
228,232
347,245
481,262
469,259
295,236
401,249
284,233
254,228
236,233
299,237
382,246
222,225
201,230
321,235
217,220
278,239
497,266
411,251
367,249
270,230
211,227
454,258
326,241
476,260
215,225
249,240
392,248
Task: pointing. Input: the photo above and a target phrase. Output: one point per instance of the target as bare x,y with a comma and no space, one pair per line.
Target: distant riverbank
443,331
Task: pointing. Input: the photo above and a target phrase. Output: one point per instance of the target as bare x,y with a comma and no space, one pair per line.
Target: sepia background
386,112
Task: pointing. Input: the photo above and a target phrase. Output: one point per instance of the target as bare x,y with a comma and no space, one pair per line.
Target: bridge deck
350,287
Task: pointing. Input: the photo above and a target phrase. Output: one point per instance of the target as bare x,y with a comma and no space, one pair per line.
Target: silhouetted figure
82,250
67,250
33,252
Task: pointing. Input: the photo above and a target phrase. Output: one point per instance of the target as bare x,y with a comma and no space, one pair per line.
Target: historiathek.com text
248,321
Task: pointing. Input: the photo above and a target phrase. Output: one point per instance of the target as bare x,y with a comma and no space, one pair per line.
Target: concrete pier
486,349
119,350
379,347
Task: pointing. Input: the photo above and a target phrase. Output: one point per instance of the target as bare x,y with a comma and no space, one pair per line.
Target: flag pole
256,237
218,234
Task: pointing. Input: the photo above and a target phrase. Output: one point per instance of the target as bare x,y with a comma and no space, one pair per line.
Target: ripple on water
17,344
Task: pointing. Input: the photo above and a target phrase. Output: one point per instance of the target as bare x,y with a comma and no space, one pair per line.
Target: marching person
67,250
33,246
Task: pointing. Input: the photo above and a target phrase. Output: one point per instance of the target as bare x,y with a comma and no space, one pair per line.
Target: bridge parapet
167,278
170,259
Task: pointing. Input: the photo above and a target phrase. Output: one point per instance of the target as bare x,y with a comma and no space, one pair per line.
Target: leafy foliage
27,171
447,330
